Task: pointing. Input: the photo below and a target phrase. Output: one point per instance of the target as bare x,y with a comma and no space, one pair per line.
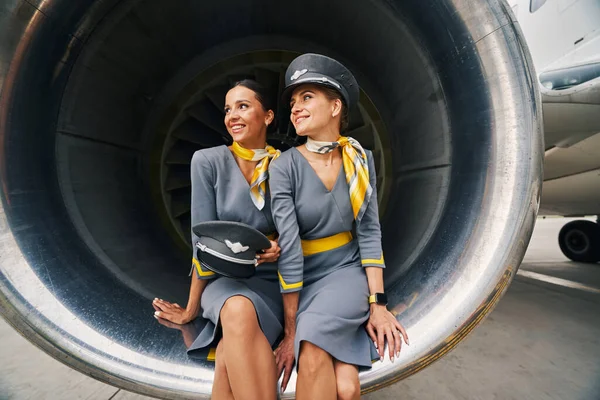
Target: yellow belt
314,246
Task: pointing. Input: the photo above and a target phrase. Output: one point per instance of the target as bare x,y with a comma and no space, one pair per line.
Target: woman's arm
382,324
375,279
291,261
203,208
174,312
203,205
284,354
193,305
368,230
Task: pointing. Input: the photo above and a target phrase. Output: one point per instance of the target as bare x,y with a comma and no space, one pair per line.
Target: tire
580,241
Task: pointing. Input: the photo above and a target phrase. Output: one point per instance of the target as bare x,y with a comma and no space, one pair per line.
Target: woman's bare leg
316,376
346,379
248,355
221,389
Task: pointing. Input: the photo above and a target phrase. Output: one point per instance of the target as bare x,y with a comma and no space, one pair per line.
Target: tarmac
541,342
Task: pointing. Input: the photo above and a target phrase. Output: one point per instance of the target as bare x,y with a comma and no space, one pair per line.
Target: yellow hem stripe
372,261
199,269
314,246
212,354
286,286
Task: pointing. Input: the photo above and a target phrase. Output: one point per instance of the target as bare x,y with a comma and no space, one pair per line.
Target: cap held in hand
229,248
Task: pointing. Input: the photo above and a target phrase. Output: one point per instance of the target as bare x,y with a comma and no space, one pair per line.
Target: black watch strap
378,298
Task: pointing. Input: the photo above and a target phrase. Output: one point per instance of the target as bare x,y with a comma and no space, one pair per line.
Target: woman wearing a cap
229,184
331,279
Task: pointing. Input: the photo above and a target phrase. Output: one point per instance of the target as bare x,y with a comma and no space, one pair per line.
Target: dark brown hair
333,94
261,92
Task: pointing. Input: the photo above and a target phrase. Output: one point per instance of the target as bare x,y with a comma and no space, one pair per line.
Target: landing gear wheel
580,241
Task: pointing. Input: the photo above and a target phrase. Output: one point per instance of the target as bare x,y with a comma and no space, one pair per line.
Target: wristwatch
379,298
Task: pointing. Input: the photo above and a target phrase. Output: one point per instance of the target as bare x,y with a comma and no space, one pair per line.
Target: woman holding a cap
331,279
229,183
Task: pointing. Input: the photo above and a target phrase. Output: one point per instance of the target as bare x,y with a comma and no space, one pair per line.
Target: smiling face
314,113
246,118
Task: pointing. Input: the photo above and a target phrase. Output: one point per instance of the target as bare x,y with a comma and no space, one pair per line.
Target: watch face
382,299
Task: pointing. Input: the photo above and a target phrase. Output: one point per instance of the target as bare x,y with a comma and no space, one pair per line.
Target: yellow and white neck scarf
258,184
356,168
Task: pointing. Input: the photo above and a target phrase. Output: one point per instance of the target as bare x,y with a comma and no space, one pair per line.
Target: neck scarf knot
356,168
258,184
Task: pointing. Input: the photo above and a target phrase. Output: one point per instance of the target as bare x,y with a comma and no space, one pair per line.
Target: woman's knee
348,388
313,359
238,313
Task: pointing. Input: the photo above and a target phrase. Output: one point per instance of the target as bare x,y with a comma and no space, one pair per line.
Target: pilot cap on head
321,70
229,248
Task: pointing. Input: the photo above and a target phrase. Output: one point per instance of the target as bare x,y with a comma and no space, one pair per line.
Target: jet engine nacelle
103,102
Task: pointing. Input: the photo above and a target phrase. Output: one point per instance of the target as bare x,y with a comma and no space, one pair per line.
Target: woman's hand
383,326
284,357
172,312
270,255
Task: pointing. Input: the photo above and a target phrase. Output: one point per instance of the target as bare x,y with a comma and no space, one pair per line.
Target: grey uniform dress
220,192
333,303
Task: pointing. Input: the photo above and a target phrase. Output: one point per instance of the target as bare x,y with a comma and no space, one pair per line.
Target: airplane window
535,5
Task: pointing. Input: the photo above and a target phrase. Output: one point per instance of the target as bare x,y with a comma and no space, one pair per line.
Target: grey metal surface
83,245
518,353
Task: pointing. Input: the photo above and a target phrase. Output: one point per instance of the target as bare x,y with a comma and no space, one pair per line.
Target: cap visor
287,92
226,268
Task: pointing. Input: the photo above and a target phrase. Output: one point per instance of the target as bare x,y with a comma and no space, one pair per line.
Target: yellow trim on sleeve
199,269
372,261
286,286
212,354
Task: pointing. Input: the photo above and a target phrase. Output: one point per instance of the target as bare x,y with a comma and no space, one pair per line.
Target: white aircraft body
564,40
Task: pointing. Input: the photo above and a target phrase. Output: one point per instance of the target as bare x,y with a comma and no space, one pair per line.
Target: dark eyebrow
237,102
